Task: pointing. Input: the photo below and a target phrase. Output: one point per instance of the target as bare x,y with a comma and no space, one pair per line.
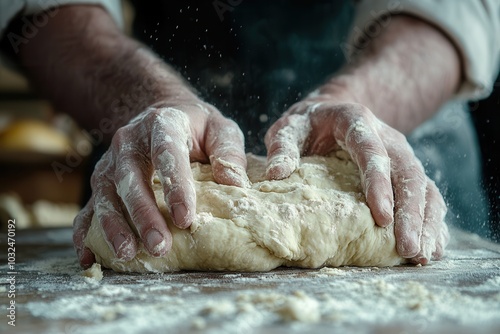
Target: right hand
393,179
164,139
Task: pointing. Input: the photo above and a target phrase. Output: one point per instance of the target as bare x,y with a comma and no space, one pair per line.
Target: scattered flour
346,299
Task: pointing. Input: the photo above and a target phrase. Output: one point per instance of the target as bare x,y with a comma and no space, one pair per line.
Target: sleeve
9,9
473,26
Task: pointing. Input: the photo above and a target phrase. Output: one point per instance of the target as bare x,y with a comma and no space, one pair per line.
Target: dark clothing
262,57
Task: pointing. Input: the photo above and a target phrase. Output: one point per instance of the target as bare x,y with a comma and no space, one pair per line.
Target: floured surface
460,294
316,217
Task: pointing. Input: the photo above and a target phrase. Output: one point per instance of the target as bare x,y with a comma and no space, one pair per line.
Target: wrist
342,88
403,76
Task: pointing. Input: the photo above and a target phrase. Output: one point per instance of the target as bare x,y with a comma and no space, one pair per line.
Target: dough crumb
331,272
217,309
198,323
93,272
300,307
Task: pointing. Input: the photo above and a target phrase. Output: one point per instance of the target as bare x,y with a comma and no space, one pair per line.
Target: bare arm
404,75
89,69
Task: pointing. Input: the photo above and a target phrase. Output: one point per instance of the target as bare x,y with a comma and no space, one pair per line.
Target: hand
163,139
393,179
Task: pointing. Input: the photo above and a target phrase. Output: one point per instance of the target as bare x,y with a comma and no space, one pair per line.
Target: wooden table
460,294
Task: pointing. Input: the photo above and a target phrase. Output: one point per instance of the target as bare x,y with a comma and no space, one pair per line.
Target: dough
317,217
94,272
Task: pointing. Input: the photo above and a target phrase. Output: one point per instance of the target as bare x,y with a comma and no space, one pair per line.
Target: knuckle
111,225
121,135
234,130
155,113
271,133
398,136
157,117
362,111
169,160
100,181
354,112
296,108
94,179
411,172
79,222
169,125
139,211
172,114
409,220
222,129
83,218
435,195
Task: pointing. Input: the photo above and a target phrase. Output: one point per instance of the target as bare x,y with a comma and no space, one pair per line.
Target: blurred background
44,156
486,117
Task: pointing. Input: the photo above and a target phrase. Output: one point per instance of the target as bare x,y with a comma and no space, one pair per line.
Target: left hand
393,179
165,139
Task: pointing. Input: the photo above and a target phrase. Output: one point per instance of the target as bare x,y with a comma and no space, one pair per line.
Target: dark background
486,116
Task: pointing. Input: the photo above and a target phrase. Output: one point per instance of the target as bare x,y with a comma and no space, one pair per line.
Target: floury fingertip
156,243
280,167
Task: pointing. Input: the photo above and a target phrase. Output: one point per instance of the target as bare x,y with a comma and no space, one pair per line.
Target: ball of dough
317,217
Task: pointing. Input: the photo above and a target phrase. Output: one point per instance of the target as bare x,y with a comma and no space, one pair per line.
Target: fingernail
87,258
388,210
242,179
244,182
180,212
280,167
408,247
118,244
156,242
413,244
426,251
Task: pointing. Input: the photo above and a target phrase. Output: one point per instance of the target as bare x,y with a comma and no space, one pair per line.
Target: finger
409,183
442,242
225,145
430,241
107,208
133,184
81,225
357,132
285,141
170,145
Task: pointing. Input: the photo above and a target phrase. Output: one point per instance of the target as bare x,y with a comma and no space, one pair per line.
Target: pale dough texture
317,217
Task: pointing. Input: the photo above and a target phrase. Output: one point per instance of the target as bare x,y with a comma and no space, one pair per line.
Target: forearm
89,69
403,75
